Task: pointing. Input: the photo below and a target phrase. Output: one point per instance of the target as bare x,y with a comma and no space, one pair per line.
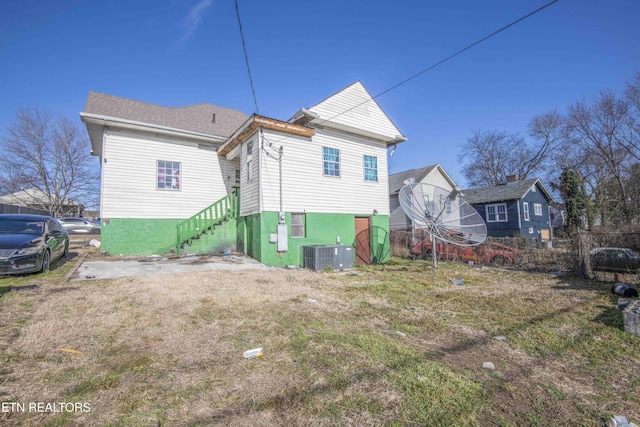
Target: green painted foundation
320,229
129,236
249,235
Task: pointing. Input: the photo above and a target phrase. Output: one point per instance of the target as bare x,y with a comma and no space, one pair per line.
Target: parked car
487,253
615,260
80,225
30,243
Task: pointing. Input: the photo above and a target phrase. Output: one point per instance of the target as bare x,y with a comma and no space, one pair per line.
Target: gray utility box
319,257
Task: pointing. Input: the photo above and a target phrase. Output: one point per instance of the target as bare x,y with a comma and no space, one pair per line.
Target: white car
79,225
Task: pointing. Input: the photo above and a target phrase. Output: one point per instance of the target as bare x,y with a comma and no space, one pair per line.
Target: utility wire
246,59
443,60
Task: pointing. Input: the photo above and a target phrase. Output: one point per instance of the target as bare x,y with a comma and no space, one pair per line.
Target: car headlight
28,251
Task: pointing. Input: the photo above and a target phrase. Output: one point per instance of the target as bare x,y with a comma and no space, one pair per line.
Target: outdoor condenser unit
319,257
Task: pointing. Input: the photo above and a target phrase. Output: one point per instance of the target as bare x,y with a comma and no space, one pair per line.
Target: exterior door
363,240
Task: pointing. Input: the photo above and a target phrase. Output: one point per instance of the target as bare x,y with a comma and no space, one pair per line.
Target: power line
442,61
246,58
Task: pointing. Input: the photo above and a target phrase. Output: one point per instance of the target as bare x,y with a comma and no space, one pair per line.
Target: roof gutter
136,125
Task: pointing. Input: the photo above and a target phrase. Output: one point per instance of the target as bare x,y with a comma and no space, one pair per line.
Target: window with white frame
525,209
249,160
537,209
496,212
447,206
297,224
168,175
370,168
237,176
331,161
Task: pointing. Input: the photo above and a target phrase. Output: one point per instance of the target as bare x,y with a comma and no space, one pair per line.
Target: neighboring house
516,208
434,175
169,177
37,199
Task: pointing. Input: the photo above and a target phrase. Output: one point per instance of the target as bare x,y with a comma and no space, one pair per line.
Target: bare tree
49,155
488,157
599,131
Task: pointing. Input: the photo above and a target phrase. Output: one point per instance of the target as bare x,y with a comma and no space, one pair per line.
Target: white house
434,175
169,177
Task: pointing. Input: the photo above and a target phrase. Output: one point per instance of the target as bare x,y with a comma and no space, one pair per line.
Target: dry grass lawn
387,345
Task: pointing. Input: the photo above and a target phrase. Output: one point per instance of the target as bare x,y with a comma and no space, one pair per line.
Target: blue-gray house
516,208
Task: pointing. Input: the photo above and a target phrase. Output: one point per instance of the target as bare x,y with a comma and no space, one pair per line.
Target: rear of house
276,186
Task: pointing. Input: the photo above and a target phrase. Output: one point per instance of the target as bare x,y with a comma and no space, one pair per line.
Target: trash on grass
94,242
458,282
252,354
402,334
619,421
69,350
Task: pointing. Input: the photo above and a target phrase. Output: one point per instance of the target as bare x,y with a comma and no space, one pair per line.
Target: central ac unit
319,257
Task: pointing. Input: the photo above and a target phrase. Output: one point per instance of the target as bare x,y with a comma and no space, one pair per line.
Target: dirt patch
368,347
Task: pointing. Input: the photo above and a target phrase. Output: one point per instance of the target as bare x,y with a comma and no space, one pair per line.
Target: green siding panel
320,229
128,236
249,235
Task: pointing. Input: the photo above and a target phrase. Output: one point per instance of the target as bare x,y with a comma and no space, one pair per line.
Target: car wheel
95,231
45,261
66,249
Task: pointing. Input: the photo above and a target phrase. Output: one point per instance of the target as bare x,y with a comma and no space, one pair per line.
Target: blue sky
182,52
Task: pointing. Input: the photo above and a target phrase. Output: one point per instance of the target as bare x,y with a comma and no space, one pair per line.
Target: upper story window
331,161
249,160
525,209
496,212
168,174
447,206
537,209
370,168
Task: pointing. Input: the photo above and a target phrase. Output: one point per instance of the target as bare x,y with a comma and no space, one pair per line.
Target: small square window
168,175
537,209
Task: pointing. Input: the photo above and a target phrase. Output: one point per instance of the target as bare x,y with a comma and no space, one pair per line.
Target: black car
615,260
30,243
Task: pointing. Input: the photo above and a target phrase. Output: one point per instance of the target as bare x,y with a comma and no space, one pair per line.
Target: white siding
129,176
305,188
250,190
366,115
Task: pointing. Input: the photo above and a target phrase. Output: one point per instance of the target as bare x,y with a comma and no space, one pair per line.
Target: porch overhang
231,146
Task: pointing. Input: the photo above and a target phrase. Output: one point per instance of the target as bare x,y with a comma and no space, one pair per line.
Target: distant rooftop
503,192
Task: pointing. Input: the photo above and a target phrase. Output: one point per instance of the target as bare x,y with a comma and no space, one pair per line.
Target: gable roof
503,192
396,181
352,109
194,118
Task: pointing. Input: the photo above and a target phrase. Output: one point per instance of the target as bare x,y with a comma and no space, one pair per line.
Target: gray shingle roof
195,118
396,181
502,192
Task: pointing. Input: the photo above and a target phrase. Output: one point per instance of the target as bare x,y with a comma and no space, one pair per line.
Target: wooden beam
266,123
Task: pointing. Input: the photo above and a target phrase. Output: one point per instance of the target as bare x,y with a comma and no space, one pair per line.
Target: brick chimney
512,178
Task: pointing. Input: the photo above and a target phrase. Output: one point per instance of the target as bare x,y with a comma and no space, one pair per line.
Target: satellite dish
444,214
